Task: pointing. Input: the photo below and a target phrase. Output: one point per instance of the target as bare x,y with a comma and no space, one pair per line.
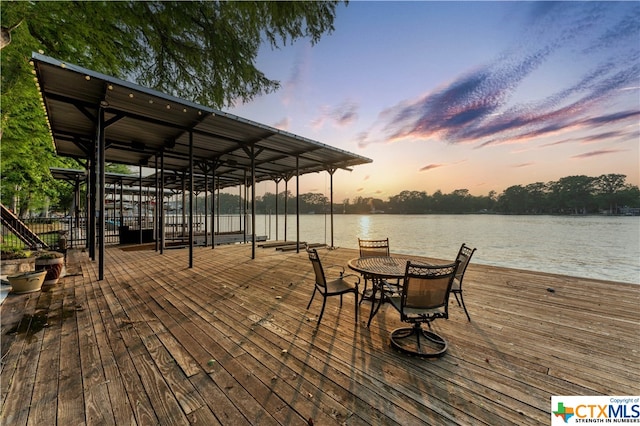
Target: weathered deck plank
230,342
70,395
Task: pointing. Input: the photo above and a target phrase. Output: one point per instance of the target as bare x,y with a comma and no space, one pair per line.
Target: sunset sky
452,95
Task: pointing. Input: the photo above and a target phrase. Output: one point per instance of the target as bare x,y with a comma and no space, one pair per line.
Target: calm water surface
593,246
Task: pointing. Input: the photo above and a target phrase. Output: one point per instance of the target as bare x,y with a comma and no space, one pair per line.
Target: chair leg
455,293
312,296
341,301
464,306
324,302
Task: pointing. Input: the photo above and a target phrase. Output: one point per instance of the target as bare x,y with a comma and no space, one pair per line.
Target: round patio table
379,269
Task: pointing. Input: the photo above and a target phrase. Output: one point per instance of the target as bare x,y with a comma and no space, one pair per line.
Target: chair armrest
357,277
327,267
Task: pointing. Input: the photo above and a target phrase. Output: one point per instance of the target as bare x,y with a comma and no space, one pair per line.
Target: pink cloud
602,137
597,153
430,167
283,124
558,142
341,115
298,75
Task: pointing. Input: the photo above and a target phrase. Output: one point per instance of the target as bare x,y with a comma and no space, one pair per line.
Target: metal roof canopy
104,119
141,123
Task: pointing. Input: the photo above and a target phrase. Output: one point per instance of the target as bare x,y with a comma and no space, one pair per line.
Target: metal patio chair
332,287
424,298
464,256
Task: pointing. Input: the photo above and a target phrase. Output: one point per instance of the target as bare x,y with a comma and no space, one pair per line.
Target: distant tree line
569,195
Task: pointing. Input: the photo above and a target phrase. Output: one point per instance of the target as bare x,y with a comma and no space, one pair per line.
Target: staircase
20,230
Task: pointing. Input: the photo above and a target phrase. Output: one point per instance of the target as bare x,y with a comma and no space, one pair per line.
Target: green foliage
14,251
49,255
11,244
117,168
203,51
571,195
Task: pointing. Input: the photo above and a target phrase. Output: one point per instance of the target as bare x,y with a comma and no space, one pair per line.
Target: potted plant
26,282
52,262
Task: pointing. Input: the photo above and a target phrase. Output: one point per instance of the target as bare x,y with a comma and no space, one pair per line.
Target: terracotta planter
53,267
26,282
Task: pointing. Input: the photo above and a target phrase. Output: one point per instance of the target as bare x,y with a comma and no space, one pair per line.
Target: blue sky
453,95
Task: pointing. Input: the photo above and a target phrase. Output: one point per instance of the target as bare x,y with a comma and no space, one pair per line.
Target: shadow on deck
230,342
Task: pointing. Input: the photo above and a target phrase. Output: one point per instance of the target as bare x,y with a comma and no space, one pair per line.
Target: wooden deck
230,342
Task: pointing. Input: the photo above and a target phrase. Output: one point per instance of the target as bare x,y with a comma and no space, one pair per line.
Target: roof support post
206,204
162,202
121,202
89,206
147,197
277,180
183,224
213,202
156,216
101,183
286,203
297,204
195,206
218,207
243,201
93,200
114,190
140,203
190,199
240,207
253,202
331,172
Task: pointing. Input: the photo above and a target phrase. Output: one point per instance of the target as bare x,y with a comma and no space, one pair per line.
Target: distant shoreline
442,214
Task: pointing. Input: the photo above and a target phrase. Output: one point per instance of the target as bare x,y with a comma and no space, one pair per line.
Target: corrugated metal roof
140,123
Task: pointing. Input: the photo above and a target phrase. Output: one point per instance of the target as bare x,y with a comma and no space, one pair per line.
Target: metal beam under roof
172,179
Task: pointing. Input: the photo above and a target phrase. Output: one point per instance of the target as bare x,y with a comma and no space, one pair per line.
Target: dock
229,342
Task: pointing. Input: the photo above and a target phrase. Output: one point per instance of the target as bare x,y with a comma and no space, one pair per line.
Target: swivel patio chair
333,287
423,299
374,248
464,256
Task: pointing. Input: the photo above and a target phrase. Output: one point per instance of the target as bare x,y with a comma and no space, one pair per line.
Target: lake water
601,247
